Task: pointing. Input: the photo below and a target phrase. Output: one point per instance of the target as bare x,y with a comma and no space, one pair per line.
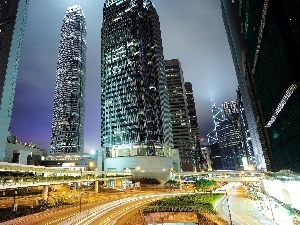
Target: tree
172,184
204,184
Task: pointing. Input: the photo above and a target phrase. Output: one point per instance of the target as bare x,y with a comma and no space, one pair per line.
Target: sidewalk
275,211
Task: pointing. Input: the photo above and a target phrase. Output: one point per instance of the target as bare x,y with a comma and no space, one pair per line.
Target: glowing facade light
288,93
69,96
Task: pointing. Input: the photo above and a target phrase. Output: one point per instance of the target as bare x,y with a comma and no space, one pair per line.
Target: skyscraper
227,138
13,14
180,119
69,96
135,118
230,138
245,131
237,45
194,124
218,117
269,58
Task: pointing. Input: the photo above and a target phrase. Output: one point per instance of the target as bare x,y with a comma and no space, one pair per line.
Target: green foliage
203,201
204,184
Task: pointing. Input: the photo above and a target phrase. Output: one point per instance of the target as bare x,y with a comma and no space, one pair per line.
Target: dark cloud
193,32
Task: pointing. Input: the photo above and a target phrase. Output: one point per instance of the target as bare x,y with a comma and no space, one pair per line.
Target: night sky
192,31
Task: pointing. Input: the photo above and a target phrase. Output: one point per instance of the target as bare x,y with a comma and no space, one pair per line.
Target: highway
117,213
114,209
52,217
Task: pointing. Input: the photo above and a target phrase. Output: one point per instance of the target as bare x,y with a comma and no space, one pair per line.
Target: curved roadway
243,211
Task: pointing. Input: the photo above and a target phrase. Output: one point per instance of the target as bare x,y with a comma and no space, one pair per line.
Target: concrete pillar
45,192
131,150
105,183
96,186
112,183
118,183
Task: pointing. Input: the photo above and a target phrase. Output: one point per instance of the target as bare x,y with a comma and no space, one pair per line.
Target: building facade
237,44
23,153
13,14
180,119
244,129
194,125
69,96
135,116
229,151
270,59
230,138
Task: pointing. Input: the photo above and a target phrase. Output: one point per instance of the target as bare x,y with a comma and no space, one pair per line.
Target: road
115,209
118,213
243,210
52,217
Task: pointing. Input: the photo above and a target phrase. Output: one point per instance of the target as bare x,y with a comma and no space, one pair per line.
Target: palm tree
172,184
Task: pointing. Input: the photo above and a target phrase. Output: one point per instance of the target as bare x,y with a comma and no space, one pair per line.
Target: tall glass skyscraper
135,117
68,110
194,125
13,14
237,45
181,127
230,138
218,117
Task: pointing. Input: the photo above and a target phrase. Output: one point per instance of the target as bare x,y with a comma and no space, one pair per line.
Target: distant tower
218,117
135,116
13,14
230,138
179,114
68,109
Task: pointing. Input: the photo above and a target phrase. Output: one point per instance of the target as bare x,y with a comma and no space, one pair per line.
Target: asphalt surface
244,211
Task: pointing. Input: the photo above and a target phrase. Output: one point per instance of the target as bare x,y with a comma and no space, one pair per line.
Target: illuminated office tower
181,126
13,14
135,118
267,33
69,96
230,139
194,124
218,117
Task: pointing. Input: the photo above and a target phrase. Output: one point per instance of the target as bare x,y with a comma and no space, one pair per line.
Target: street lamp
91,165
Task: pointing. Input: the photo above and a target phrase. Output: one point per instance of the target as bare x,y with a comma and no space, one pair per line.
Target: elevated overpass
219,175
22,176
